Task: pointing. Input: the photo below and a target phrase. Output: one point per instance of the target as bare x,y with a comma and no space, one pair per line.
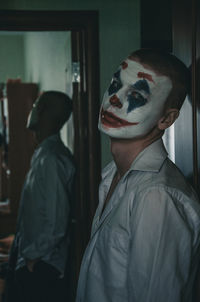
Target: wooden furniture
20,97
5,245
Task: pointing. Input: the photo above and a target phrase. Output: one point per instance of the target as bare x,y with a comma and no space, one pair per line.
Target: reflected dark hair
58,105
169,65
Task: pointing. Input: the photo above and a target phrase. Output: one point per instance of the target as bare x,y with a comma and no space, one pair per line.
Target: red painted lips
110,120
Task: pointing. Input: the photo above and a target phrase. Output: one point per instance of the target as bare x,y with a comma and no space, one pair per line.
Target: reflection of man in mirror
43,221
144,244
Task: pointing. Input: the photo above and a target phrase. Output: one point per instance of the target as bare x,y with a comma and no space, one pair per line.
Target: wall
11,58
119,31
47,59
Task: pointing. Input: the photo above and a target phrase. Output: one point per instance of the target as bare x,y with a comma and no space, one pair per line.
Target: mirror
83,27
41,58
38,57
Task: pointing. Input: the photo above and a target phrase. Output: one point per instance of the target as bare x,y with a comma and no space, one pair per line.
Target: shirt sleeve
46,208
161,249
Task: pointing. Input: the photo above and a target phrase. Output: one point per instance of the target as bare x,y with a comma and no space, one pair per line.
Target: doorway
82,27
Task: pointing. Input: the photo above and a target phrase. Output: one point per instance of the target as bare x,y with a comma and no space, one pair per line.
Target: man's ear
168,118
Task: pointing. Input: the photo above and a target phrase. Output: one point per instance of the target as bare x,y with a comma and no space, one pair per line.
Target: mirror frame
85,39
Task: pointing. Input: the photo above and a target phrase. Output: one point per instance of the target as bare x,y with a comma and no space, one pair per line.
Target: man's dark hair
57,105
169,65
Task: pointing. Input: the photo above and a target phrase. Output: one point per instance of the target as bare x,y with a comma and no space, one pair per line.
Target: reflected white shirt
145,246
45,205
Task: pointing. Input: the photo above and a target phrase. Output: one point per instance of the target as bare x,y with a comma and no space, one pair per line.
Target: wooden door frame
86,23
185,48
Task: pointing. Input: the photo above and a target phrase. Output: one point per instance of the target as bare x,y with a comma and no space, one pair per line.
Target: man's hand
30,264
5,244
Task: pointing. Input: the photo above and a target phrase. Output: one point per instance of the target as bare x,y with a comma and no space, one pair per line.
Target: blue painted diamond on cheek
135,98
134,103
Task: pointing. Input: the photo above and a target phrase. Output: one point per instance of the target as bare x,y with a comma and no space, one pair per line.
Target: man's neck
42,135
125,151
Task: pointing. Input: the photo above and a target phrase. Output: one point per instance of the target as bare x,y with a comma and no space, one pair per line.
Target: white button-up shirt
42,230
145,246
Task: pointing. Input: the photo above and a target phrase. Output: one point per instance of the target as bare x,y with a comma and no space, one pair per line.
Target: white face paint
134,101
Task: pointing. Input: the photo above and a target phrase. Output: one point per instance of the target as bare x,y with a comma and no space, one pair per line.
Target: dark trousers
41,285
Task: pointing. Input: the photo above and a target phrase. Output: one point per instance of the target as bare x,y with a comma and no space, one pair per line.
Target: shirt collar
149,160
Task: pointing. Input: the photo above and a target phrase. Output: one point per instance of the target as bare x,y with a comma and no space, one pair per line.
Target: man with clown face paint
134,101
145,238
42,236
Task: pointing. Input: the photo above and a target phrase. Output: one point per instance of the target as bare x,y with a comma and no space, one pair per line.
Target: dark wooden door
175,27
186,45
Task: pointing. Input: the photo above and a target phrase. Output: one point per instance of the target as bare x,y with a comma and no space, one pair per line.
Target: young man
42,235
144,244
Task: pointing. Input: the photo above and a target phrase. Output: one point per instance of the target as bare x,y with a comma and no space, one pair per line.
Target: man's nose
114,100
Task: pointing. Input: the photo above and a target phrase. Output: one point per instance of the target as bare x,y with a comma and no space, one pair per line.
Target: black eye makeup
142,85
115,84
135,97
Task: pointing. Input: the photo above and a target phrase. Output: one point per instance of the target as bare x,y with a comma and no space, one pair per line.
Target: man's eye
114,86
135,100
136,95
